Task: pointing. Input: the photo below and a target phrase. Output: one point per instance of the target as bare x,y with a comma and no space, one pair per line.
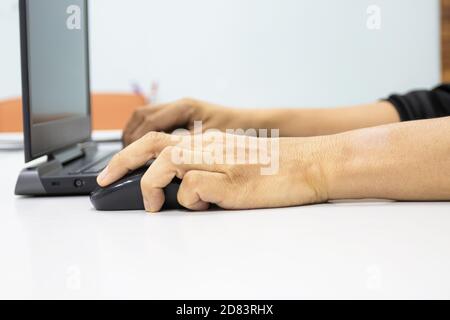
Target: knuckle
187,104
190,179
145,184
186,100
149,118
153,136
167,152
184,195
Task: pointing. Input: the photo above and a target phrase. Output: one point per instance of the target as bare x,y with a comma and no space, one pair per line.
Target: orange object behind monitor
109,111
112,111
11,115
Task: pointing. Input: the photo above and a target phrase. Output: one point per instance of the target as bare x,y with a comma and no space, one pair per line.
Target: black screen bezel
46,138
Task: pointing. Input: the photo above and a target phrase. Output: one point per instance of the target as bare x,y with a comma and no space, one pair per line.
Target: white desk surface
62,248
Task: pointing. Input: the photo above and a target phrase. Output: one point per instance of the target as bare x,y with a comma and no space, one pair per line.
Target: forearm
405,161
314,122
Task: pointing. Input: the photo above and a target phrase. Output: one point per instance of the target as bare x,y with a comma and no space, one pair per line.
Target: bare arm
314,122
290,122
402,161
405,161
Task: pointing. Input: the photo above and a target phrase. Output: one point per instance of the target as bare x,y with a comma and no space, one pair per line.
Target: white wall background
252,52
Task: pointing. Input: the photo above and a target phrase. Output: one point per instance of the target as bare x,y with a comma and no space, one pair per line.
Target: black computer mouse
125,194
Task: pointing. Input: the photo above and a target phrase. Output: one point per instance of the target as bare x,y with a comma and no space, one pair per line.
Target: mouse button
137,173
114,187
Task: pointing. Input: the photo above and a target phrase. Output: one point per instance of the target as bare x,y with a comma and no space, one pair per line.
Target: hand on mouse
266,172
182,114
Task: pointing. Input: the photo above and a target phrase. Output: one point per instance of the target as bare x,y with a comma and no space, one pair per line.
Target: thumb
200,188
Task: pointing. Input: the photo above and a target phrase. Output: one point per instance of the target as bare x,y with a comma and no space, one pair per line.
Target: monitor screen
55,65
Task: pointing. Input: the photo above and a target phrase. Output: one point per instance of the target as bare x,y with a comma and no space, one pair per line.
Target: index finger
135,156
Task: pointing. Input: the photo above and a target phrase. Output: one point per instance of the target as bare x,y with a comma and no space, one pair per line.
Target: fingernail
102,176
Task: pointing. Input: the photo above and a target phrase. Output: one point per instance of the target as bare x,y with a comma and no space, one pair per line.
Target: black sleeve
423,104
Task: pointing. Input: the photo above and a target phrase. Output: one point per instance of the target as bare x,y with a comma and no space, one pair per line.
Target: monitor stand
33,181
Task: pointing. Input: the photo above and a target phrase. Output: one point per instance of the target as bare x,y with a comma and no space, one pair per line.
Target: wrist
324,163
350,169
246,119
308,167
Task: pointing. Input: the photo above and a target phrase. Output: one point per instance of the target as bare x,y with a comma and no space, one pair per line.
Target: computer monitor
55,75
